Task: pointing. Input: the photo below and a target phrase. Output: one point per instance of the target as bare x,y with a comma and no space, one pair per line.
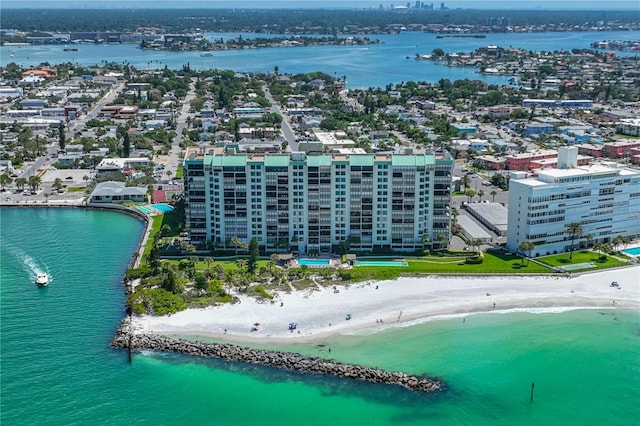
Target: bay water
390,62
57,367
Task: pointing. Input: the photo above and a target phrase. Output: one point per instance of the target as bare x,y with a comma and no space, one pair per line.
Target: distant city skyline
329,4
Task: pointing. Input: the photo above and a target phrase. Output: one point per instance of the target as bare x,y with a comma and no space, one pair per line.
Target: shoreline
378,306
80,204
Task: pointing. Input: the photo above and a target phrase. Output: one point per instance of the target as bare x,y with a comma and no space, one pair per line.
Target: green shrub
262,292
473,260
155,301
139,272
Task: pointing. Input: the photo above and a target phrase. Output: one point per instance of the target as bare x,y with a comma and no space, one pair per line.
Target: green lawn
582,256
77,189
227,265
155,228
494,263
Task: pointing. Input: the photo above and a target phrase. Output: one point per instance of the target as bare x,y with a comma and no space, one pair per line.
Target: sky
314,4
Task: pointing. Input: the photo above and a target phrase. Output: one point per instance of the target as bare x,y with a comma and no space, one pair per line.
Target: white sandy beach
320,313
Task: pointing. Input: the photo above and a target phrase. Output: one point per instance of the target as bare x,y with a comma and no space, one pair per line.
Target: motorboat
42,279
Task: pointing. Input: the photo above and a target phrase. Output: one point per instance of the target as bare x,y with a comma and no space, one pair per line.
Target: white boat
42,279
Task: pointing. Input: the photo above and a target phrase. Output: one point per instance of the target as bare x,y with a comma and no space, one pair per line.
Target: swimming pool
307,262
144,209
382,263
632,251
164,208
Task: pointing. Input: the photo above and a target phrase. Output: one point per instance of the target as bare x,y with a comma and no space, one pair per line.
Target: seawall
289,361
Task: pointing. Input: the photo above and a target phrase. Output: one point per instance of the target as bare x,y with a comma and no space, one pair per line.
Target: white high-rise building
603,198
314,203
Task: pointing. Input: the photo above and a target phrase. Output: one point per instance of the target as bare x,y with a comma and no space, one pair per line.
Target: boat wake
29,264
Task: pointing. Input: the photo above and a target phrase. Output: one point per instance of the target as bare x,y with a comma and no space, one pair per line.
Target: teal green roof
318,160
361,160
208,160
276,161
412,160
226,160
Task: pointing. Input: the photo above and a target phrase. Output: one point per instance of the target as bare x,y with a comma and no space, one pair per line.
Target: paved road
174,160
78,124
287,132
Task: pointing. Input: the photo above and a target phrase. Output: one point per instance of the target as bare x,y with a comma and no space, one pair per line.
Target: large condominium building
315,203
603,199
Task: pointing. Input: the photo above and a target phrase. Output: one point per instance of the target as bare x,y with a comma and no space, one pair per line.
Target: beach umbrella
256,324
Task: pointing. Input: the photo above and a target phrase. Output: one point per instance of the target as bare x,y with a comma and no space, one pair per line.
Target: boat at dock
42,279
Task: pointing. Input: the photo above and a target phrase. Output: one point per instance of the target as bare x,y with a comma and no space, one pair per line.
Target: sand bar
374,306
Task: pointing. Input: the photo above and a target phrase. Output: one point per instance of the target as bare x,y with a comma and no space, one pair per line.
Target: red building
523,161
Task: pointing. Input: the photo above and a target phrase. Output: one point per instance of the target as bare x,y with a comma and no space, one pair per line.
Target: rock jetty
283,360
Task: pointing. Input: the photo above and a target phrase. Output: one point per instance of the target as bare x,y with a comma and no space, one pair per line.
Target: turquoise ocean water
392,61
57,367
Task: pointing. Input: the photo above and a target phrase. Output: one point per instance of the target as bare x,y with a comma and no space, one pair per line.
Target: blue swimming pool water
144,209
314,262
162,207
632,251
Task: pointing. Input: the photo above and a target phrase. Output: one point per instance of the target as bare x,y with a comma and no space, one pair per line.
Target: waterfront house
117,192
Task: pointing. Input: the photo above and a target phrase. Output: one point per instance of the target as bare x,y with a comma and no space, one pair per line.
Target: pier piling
533,385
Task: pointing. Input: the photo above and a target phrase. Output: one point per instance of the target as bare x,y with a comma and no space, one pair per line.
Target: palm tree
444,240
208,261
34,182
57,184
425,240
589,238
481,194
470,193
574,230
235,242
617,242
193,261
526,246
454,218
273,261
241,264
465,181
493,194
21,182
5,180
600,248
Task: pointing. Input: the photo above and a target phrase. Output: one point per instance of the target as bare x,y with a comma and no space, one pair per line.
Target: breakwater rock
284,360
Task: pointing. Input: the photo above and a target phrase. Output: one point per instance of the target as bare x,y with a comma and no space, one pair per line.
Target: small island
462,36
190,42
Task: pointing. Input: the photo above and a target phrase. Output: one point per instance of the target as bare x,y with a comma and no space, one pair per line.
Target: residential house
117,192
